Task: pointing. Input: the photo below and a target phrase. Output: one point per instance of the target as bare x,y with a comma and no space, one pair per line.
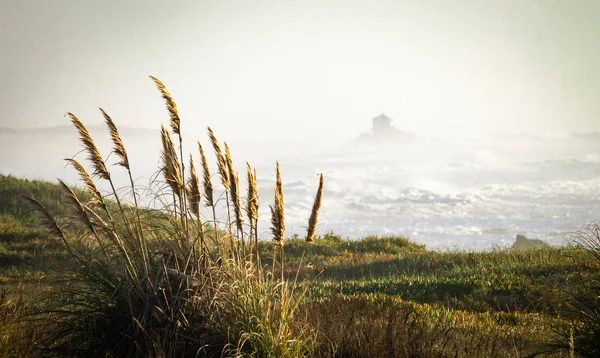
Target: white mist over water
463,193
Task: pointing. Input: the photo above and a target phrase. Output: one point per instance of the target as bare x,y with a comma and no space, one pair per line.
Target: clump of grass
264,327
17,338
384,326
582,336
147,282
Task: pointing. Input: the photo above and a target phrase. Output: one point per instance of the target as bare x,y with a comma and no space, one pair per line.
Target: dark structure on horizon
382,124
384,132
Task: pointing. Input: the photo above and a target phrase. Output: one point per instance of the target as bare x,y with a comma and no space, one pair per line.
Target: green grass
533,280
12,204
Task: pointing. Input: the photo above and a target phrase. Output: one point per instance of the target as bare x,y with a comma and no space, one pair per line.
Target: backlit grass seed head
221,163
90,147
237,204
170,165
118,146
252,203
206,182
234,188
171,106
77,205
277,212
314,215
88,183
193,190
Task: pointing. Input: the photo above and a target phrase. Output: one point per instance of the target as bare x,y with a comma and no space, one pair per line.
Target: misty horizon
436,67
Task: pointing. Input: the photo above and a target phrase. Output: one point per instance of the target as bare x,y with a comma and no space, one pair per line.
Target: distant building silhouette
383,132
382,124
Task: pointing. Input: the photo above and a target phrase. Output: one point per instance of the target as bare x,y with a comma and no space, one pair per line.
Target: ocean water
462,193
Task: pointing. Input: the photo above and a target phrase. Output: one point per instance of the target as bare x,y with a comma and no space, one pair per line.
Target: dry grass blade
108,231
277,212
314,215
221,163
589,239
234,188
170,165
193,190
99,222
93,153
171,106
118,146
206,182
82,213
77,205
46,220
89,185
188,280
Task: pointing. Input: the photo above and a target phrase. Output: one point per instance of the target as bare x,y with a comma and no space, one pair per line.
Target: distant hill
70,130
12,203
589,135
6,130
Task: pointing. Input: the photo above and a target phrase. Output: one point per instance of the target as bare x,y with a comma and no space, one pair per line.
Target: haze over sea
459,192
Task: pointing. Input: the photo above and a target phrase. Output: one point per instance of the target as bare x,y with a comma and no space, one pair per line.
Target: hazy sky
300,69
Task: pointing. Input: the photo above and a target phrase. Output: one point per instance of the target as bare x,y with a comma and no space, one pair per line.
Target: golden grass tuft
118,146
277,212
252,199
206,182
171,105
88,183
234,185
252,210
74,201
170,164
314,215
193,190
91,148
221,163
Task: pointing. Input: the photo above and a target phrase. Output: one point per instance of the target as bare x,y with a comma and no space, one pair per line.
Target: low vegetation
91,273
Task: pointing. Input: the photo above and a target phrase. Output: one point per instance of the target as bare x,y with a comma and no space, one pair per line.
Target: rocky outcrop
522,242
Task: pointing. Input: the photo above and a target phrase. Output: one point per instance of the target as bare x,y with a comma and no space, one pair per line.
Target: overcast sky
305,69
